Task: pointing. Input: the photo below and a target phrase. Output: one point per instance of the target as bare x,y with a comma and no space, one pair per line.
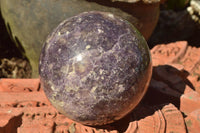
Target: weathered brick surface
190,102
21,85
174,90
168,119
193,121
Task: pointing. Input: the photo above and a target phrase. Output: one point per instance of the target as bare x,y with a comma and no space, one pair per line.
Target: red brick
21,85
190,102
24,107
193,121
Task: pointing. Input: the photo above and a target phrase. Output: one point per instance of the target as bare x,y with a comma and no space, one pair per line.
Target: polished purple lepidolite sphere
95,68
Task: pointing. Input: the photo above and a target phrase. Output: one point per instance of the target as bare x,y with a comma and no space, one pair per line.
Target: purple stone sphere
95,68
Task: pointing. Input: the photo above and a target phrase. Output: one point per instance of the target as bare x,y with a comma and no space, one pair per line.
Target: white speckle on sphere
79,57
100,31
79,19
50,66
88,46
111,15
121,88
101,71
67,32
59,50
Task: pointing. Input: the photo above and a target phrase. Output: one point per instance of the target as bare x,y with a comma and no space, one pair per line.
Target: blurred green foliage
177,4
